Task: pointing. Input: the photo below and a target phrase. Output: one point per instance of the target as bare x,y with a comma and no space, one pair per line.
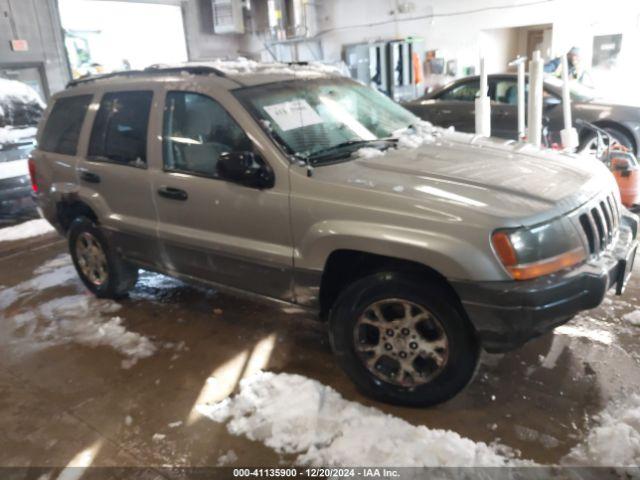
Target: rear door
209,227
59,143
113,172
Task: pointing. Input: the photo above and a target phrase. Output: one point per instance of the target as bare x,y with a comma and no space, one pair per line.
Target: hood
465,175
619,111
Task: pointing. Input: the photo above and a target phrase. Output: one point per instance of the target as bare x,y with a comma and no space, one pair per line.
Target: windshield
579,92
313,117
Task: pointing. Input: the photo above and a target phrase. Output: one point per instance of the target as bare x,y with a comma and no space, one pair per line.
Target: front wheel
589,144
101,270
403,339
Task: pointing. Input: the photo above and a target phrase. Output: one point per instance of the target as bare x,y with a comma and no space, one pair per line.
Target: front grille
600,223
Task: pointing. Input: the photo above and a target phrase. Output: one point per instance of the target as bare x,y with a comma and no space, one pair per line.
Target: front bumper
508,314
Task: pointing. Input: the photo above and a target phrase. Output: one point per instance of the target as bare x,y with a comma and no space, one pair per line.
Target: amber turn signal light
504,249
507,255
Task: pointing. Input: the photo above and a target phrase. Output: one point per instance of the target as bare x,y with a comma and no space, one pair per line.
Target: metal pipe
568,136
520,62
535,99
484,81
483,104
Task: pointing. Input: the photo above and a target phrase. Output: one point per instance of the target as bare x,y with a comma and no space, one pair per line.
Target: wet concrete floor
66,401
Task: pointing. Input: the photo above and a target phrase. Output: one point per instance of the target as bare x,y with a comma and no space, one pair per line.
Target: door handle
173,193
89,177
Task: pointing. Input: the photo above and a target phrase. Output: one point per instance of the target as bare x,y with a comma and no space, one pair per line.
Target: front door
456,108
211,228
504,108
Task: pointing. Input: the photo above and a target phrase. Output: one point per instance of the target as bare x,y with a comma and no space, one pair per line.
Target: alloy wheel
91,258
401,342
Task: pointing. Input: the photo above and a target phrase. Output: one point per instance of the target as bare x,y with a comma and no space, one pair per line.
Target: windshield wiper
345,149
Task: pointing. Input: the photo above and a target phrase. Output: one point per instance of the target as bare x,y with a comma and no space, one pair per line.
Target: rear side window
120,129
63,126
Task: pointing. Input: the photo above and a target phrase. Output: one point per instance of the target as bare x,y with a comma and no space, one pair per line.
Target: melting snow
325,429
227,458
616,441
56,272
32,228
85,320
633,318
81,319
597,335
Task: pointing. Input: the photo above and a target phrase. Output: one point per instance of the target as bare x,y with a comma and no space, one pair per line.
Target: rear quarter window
62,130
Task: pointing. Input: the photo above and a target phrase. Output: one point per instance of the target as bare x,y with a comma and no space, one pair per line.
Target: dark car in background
20,111
453,106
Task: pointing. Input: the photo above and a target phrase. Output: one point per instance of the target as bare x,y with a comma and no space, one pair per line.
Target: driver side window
465,92
196,131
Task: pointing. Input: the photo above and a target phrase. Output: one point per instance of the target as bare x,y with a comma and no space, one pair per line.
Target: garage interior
177,379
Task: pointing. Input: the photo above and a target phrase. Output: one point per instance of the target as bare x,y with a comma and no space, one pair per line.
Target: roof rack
153,69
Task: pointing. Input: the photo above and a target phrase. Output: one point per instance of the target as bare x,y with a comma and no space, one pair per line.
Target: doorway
103,36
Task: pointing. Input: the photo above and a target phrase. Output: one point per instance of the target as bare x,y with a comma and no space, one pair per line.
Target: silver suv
419,246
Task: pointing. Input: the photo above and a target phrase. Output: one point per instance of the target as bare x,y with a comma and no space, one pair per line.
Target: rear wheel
101,270
403,340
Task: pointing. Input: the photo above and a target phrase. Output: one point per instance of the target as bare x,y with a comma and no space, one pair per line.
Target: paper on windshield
293,114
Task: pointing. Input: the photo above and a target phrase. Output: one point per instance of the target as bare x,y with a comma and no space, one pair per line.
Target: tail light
32,174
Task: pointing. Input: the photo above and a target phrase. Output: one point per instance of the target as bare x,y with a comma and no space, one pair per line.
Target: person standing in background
576,69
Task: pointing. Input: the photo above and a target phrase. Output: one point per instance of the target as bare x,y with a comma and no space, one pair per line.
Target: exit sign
19,45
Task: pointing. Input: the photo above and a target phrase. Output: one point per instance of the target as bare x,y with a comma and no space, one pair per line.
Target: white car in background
20,110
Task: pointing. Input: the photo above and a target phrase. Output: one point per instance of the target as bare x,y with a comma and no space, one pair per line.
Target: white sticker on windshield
293,114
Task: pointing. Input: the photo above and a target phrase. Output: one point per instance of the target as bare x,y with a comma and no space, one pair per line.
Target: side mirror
245,168
551,101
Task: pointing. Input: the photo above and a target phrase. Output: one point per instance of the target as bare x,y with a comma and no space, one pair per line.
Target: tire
86,241
349,325
618,136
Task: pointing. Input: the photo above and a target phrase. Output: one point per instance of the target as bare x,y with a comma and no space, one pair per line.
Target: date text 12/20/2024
316,472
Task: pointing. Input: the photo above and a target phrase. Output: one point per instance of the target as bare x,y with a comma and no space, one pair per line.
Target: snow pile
615,442
32,228
13,90
244,66
418,134
369,152
11,135
296,415
632,318
13,169
20,106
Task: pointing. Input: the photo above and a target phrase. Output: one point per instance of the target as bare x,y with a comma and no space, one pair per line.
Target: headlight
529,253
